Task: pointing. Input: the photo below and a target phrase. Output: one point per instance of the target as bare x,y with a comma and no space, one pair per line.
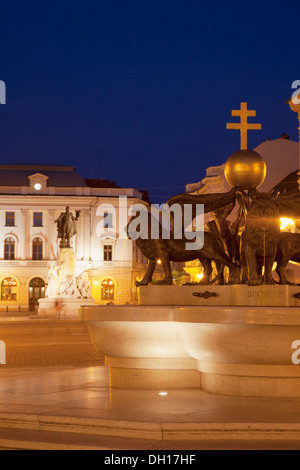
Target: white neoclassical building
32,197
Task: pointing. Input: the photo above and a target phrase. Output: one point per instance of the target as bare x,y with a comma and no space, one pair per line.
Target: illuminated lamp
284,223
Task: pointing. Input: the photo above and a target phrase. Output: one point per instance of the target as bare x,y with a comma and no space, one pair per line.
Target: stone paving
36,343
55,394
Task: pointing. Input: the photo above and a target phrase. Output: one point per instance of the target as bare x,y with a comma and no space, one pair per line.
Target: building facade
32,198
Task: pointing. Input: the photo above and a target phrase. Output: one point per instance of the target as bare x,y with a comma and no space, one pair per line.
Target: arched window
108,290
37,249
9,249
9,289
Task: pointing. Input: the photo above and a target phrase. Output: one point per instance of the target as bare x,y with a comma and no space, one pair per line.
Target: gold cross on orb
244,126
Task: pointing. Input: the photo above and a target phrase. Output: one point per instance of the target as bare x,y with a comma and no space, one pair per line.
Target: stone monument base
68,309
242,342
240,295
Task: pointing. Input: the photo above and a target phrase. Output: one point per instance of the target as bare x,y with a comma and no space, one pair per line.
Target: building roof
101,183
58,175
282,159
288,185
60,180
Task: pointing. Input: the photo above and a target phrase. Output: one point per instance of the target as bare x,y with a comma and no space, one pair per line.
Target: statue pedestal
66,258
66,293
227,296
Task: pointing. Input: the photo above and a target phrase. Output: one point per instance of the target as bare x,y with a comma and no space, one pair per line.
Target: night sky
139,92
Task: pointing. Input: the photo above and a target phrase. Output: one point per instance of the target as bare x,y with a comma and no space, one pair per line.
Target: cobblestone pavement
48,343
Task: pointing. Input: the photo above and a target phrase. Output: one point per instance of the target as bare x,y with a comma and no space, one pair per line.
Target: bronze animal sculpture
167,250
261,235
257,247
228,233
288,249
211,202
220,205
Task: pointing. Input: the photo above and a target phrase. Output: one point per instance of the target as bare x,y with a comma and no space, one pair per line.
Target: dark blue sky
146,85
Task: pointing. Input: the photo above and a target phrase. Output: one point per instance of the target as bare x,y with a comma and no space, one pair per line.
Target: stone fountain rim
251,316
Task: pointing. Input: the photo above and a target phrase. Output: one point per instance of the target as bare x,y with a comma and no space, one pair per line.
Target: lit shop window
9,289
108,290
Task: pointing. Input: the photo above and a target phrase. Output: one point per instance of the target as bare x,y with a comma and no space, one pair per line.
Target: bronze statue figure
262,241
261,235
211,202
288,249
253,242
66,227
167,250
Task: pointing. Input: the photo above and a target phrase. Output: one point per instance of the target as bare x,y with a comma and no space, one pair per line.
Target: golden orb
246,169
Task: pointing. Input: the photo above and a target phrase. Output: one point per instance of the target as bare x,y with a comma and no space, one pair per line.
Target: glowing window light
38,186
284,223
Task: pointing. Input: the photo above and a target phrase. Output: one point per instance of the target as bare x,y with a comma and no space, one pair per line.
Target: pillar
51,248
86,234
25,238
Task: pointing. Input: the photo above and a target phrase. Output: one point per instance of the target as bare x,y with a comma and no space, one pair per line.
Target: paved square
48,343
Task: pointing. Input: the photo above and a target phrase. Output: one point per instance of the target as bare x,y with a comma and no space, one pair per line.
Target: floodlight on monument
284,223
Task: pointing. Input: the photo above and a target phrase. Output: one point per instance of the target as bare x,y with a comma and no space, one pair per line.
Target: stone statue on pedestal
66,290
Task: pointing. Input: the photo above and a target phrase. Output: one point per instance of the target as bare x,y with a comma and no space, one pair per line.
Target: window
108,290
108,253
10,219
37,219
9,249
108,220
37,249
9,289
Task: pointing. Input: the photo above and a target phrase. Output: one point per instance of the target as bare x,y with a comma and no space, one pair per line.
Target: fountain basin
244,351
